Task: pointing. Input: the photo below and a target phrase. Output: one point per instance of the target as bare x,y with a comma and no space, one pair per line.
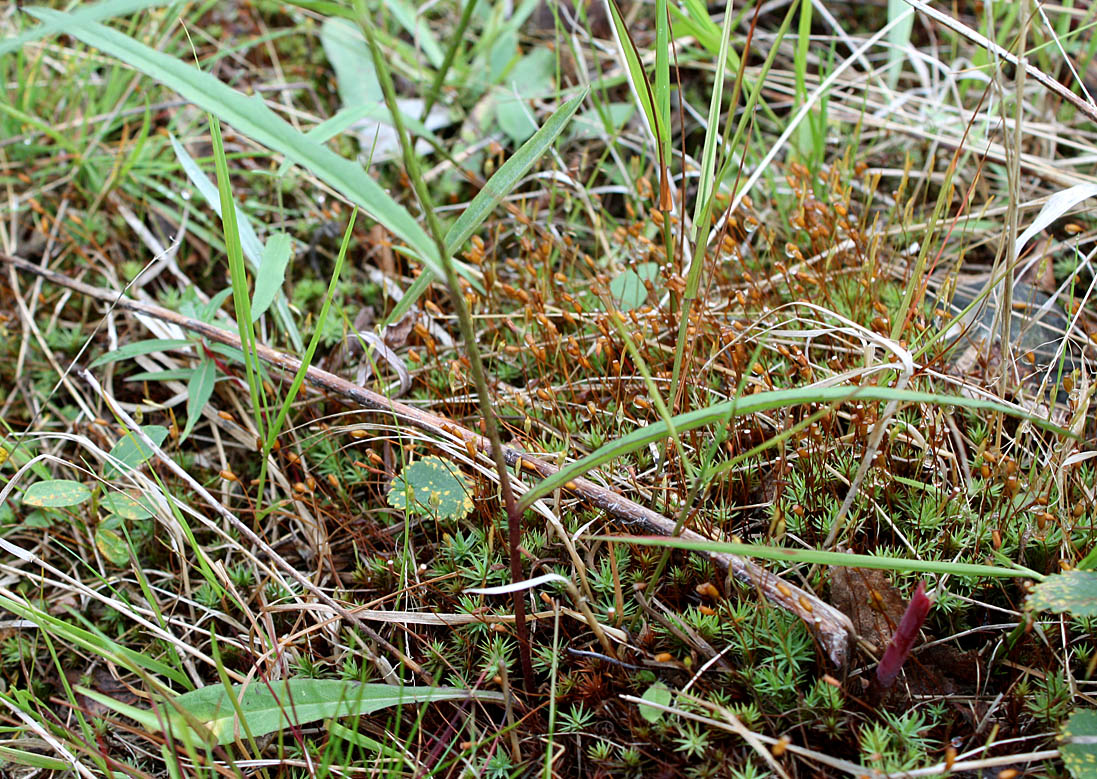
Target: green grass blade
89,13
504,180
241,295
638,78
707,183
253,247
33,759
662,76
416,26
820,557
252,117
97,645
310,352
751,404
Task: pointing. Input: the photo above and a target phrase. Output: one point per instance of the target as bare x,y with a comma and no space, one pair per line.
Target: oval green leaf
125,507
114,537
131,452
56,493
112,545
658,693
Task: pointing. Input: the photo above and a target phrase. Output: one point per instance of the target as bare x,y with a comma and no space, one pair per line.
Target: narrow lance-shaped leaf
199,390
131,452
508,175
273,706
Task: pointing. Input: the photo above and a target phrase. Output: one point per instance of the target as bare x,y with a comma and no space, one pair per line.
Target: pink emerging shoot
899,648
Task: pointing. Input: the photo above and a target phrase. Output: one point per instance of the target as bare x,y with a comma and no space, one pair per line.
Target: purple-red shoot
899,648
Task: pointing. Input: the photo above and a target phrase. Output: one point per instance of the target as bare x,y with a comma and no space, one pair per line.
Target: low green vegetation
485,389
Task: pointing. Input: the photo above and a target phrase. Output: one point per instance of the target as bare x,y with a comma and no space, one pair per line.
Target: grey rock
1038,329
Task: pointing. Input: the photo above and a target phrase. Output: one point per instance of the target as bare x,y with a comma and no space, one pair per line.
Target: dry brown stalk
832,628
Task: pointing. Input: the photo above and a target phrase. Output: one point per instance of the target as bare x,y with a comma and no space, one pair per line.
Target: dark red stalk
899,648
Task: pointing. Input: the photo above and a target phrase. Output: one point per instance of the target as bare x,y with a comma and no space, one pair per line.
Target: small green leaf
131,451
271,273
503,51
657,693
1079,744
514,117
38,520
199,390
111,538
126,507
1074,592
431,487
628,287
56,493
529,78
594,124
207,311
112,546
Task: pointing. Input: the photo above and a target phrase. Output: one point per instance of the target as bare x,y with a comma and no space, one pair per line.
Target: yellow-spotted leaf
56,493
431,487
126,507
1073,591
114,535
1078,744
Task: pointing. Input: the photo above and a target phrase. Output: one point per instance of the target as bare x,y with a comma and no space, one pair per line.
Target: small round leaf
657,693
431,487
